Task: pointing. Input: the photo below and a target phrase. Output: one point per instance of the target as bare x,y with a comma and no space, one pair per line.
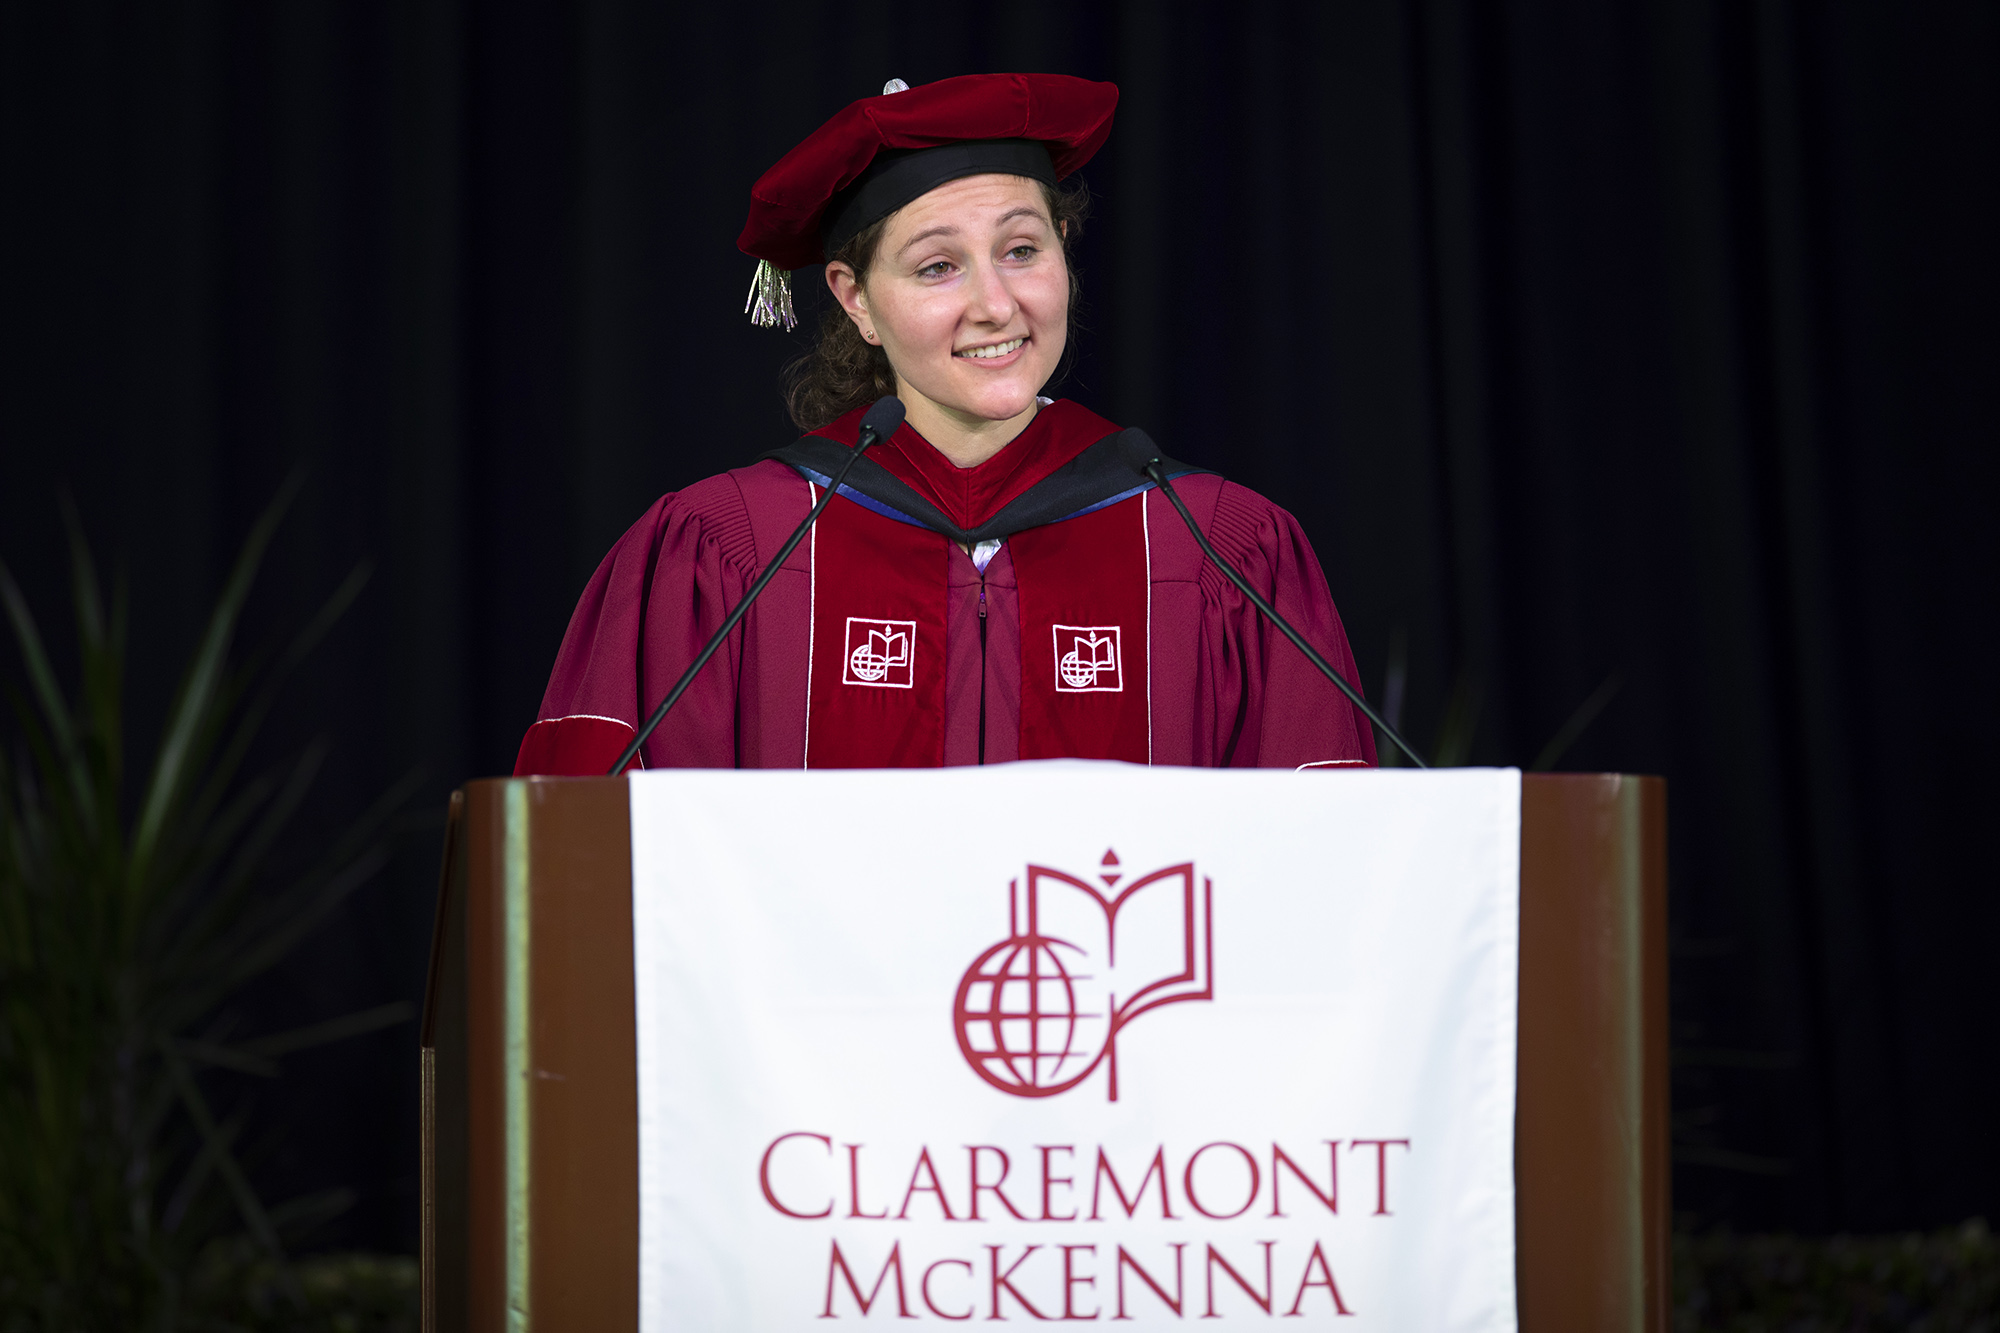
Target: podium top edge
1536,778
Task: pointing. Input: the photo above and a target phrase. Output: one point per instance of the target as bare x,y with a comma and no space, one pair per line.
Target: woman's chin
993,397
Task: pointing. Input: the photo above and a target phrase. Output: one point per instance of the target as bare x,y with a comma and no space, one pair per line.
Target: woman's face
969,296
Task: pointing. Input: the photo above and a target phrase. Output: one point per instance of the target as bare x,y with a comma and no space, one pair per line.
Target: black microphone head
1140,450
879,422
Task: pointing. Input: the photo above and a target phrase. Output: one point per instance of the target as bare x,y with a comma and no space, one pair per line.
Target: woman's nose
988,301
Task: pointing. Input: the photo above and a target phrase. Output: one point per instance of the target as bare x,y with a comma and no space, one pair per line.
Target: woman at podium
994,581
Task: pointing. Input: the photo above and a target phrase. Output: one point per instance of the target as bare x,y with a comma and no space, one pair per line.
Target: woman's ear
853,297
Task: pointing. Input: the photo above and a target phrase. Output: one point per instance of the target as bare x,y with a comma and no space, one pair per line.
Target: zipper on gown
982,666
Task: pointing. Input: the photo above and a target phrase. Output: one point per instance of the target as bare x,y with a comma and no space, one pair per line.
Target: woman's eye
937,270
1024,252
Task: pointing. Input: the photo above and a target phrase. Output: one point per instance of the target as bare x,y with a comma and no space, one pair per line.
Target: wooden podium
530,1111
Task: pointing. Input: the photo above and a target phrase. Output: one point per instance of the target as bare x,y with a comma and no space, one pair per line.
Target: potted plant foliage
136,900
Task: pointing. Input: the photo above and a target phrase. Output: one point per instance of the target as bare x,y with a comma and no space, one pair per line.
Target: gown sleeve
1268,706
651,605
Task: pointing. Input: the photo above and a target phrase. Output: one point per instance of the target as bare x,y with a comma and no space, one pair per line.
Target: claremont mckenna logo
1088,660
1039,1011
882,653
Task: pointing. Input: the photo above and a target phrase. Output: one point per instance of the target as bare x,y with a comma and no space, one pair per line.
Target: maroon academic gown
1200,678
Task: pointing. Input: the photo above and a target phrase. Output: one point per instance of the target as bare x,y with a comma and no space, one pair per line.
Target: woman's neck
964,440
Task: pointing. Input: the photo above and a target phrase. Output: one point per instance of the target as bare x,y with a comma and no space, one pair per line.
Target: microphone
1155,470
878,423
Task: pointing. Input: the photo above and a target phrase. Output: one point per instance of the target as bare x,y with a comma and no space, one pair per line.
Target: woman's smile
992,351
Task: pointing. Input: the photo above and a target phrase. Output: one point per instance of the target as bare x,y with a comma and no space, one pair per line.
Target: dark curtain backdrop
1647,339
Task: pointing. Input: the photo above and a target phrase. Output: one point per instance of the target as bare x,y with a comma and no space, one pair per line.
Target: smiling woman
969,300
999,579
967,294
851,366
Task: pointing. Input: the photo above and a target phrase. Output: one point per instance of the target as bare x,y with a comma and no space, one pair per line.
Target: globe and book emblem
1037,1013
880,653
1088,659
872,660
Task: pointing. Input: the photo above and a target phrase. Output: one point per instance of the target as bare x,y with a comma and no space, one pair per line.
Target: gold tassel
770,302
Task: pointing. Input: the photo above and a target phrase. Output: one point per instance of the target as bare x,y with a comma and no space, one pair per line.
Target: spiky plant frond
131,912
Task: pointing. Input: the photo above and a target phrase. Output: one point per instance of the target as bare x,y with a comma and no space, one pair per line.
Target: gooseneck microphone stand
877,424
1158,473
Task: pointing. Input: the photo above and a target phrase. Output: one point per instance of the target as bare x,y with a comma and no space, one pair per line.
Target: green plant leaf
334,1029
251,717
190,715
1586,713
224,1057
217,1146
1461,721
35,657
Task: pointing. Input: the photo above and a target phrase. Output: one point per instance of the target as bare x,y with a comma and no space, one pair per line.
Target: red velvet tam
879,153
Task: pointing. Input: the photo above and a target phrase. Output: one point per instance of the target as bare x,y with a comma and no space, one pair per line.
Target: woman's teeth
987,353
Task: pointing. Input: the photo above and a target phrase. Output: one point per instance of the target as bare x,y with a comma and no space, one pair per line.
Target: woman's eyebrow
946,229
943,229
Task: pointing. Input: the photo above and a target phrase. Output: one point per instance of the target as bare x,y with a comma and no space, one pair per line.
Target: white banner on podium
1076,1041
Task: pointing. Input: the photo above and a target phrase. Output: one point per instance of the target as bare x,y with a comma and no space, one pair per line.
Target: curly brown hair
844,371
